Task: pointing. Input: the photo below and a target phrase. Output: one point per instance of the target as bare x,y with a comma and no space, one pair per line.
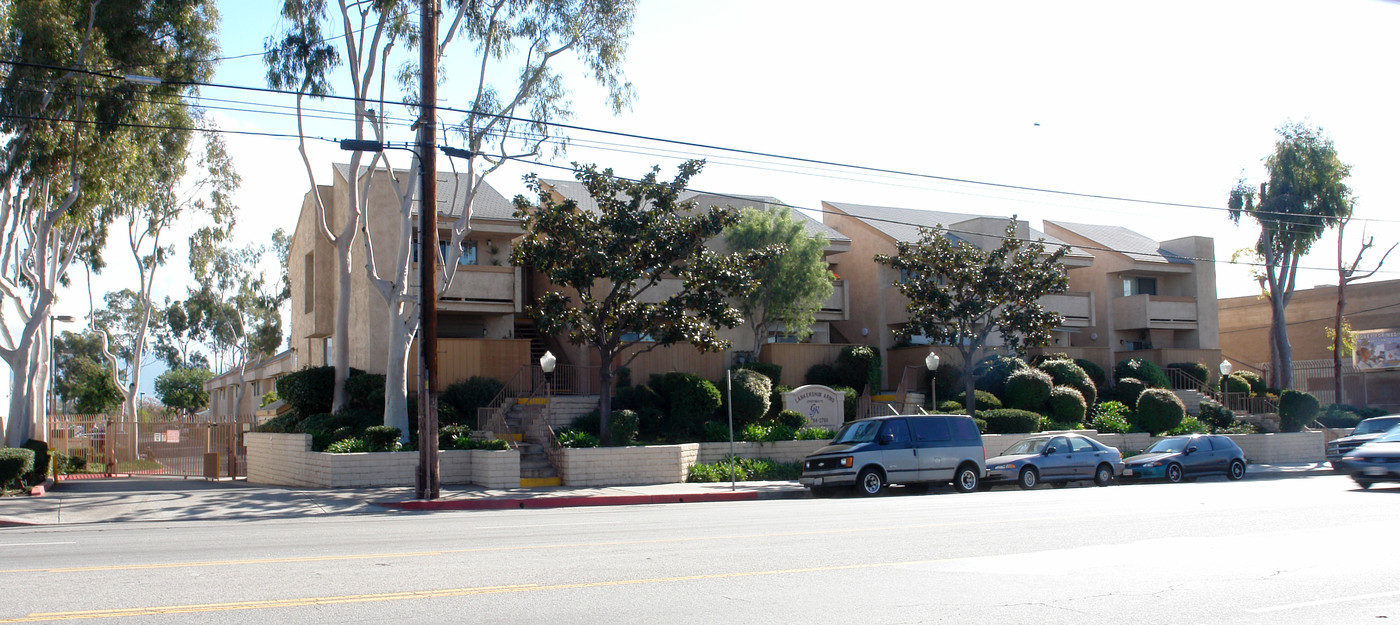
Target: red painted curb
565,502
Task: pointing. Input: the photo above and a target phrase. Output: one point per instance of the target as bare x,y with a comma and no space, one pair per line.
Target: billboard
1376,350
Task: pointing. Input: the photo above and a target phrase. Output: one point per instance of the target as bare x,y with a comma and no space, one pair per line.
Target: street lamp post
52,395
1225,369
931,361
547,363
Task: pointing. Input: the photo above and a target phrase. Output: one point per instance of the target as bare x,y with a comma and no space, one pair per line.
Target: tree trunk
396,380
969,385
340,344
605,377
20,423
1337,338
1282,352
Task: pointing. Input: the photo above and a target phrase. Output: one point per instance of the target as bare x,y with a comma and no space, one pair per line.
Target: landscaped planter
287,460
626,466
781,451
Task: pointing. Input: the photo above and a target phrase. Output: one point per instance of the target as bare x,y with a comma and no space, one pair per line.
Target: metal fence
208,447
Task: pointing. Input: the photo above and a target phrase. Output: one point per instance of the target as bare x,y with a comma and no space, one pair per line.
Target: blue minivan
873,453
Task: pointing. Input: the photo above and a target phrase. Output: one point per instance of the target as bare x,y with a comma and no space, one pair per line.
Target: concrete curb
39,490
516,503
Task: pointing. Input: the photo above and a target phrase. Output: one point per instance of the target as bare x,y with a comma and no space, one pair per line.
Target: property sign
1376,349
825,408
172,436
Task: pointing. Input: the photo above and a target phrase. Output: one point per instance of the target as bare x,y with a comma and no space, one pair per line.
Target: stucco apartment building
1244,332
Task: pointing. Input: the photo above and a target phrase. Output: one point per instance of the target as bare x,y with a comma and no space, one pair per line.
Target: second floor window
1139,286
468,256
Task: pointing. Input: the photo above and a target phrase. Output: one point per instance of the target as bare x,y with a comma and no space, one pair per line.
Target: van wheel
1028,479
966,479
869,483
1103,476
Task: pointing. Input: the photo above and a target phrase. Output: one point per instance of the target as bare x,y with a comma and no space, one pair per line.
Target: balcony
1154,312
484,289
836,307
1077,308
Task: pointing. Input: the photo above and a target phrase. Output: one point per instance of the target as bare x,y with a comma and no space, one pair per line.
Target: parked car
1054,459
1365,432
873,453
1376,461
1177,458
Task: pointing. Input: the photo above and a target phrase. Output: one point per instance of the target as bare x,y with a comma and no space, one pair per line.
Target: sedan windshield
1028,446
1169,445
856,432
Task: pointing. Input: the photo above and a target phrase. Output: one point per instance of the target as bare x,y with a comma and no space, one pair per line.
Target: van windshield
856,432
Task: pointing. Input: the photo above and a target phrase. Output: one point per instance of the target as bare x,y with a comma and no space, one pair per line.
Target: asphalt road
1306,550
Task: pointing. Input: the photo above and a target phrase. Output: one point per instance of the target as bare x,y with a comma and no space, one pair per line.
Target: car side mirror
1049,450
1191,450
886,438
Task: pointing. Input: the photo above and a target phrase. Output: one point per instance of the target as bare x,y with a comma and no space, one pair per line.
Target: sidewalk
150,498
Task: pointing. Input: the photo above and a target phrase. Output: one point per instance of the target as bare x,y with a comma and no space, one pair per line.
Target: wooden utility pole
428,484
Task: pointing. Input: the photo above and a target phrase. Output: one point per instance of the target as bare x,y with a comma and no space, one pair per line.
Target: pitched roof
903,224
1131,244
452,195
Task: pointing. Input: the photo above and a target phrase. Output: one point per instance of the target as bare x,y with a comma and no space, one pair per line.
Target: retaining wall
627,466
287,460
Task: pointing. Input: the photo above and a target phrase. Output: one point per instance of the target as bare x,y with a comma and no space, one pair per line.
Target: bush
1240,427
1142,369
576,439
1215,415
382,438
1194,369
590,422
15,463
1066,373
448,435
1010,421
714,432
815,434
852,403
327,428
1256,383
980,423
40,472
793,419
469,395
1111,417
1235,383
945,382
690,400
824,375
751,394
648,405
744,470
1128,390
366,391
622,425
774,372
775,401
1339,416
1296,409
347,446
310,390
946,407
1189,425
1067,405
493,444
1028,389
281,424
985,400
858,366
992,372
1093,370
1159,410
622,378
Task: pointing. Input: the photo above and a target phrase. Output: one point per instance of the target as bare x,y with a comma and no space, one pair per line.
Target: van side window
899,430
965,431
931,432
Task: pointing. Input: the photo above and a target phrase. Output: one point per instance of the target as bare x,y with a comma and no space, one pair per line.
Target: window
965,430
1060,444
899,430
932,432
308,278
1081,445
1139,286
468,256
327,350
1202,443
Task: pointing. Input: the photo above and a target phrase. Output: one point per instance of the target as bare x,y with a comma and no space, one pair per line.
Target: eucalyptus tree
636,272
793,284
75,136
240,303
521,40
1346,274
1306,194
959,293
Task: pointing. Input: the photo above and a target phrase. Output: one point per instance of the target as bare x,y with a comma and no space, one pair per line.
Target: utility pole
428,484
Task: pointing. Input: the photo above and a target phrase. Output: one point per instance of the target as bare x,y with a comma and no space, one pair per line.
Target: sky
1164,102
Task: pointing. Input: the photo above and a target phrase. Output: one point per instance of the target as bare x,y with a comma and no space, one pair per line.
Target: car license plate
1375,471
1128,472
816,481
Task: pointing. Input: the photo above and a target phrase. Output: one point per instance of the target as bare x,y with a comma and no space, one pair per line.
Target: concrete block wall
1282,448
624,466
781,451
287,460
495,469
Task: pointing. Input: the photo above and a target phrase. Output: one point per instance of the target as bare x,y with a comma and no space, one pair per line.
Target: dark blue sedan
1177,458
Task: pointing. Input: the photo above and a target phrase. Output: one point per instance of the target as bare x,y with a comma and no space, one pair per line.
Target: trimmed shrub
469,395
714,432
366,390
949,406
1111,417
1039,358
448,435
1028,389
382,438
576,439
1066,405
984,399
347,446
1010,421
15,463
327,428
591,422
774,372
824,375
858,366
1142,369
992,372
41,462
1296,409
1215,415
980,423
767,433
1189,425
1235,383
623,427
1128,390
852,403
1194,369
751,395
1256,383
744,469
1066,373
1093,370
1339,416
1159,410
311,390
494,444
775,401
281,424
793,419
690,400
622,378
815,434
649,406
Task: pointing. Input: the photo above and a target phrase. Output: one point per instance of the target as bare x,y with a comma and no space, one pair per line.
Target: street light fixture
931,361
1226,368
52,319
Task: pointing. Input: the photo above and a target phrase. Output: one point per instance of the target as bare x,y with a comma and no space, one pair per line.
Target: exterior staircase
525,329
1192,400
530,420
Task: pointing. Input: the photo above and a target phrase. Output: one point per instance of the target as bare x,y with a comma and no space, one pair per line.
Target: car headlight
1154,463
848,461
1004,467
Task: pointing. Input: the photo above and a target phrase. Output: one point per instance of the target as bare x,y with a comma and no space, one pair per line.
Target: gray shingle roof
1131,244
903,224
452,195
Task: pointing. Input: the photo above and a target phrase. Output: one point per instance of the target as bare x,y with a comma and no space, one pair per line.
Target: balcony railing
1139,312
836,307
1076,307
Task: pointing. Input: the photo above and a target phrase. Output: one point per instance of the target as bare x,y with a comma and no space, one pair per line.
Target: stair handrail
492,416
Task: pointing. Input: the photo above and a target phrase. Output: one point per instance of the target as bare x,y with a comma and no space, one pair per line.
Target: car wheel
1363,484
1236,470
1103,476
822,492
1028,479
869,483
1174,474
966,479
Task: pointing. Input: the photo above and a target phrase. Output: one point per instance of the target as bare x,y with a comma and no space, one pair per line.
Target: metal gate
209,447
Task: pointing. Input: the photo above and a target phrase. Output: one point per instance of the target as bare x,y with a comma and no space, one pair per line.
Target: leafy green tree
793,285
81,377
183,389
1305,195
959,293
635,271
